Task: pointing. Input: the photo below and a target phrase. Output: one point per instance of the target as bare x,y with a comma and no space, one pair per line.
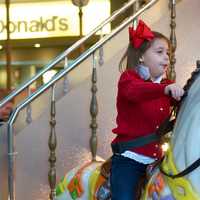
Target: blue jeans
125,175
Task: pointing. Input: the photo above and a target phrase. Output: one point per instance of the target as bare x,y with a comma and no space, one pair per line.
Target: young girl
143,103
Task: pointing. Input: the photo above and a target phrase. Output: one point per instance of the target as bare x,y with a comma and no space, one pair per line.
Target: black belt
120,147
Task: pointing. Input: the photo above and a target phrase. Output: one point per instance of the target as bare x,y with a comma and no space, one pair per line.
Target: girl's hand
175,91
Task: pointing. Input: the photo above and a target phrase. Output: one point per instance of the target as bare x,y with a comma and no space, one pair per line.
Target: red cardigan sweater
142,106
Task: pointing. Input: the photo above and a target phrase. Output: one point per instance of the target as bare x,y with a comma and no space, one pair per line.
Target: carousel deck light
165,146
1,47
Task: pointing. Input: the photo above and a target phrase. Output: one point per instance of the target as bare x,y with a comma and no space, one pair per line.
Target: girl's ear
165,75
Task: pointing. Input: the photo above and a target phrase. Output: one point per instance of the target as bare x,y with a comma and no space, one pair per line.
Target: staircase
70,89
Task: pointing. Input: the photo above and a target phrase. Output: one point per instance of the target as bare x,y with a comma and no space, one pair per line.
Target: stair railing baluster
28,108
172,73
101,53
136,7
65,82
93,112
52,143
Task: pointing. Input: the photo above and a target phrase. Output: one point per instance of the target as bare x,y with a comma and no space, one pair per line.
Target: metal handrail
44,87
91,50
65,53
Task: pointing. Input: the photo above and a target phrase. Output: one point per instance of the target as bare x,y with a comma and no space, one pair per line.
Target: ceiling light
37,45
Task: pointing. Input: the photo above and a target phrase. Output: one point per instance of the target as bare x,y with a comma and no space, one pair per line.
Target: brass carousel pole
8,46
172,73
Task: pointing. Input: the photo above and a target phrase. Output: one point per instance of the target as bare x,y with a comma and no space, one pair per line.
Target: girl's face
156,57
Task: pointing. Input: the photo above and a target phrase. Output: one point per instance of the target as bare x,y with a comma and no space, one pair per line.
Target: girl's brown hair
132,55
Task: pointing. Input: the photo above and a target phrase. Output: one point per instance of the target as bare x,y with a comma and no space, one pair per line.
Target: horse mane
188,85
193,77
168,124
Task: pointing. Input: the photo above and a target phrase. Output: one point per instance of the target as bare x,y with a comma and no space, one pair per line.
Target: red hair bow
138,36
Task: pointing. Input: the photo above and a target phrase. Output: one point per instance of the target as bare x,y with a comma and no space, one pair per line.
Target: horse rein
185,172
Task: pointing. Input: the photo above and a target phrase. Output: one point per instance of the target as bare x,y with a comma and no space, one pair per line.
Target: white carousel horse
82,183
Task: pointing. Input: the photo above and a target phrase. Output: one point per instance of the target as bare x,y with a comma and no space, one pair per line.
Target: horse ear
141,60
198,63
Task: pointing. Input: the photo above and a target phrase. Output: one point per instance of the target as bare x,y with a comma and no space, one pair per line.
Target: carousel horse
176,178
